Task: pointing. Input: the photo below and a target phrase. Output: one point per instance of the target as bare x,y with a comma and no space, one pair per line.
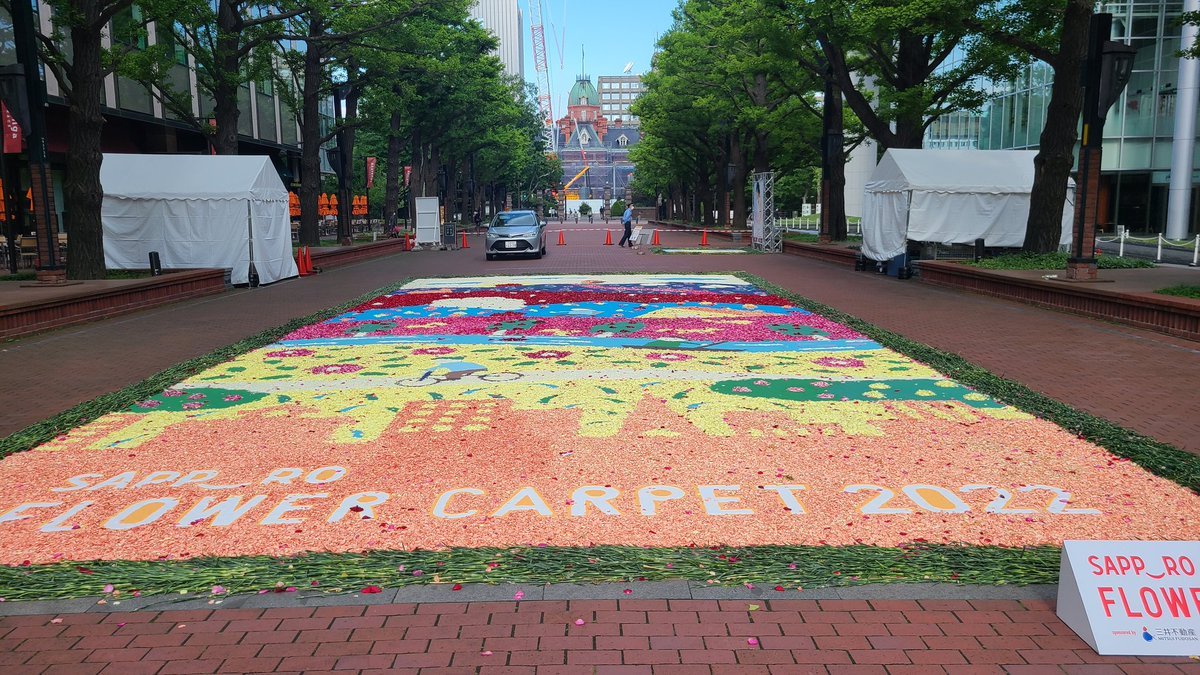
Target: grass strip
34,435
1156,457
1181,291
786,567
1052,261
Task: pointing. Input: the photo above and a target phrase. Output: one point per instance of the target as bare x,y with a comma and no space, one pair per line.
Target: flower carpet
569,412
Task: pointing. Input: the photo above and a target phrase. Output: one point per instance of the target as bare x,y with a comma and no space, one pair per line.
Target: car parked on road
516,233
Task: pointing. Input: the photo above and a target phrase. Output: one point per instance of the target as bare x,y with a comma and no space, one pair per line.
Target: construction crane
568,193
545,106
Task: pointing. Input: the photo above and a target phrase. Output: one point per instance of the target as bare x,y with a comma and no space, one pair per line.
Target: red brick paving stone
919,629
230,651
205,639
147,667
786,642
622,670
1017,642
594,657
880,656
190,667
169,640
765,656
552,657
698,656
651,656
704,629
679,669
856,670
915,669
307,663
995,656
935,656
1033,670
862,629
400,646
364,661
74,669
251,665
827,656
974,669
288,612
99,642
51,657
728,669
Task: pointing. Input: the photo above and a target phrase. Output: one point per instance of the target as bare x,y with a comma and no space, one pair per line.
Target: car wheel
490,256
537,255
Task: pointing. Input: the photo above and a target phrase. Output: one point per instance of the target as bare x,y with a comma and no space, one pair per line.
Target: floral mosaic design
646,410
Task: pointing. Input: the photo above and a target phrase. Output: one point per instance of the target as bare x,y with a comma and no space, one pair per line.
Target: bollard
978,250
155,264
1158,256
1121,248
1196,251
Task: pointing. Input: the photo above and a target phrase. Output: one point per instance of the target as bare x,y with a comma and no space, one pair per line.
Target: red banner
407,174
370,172
13,140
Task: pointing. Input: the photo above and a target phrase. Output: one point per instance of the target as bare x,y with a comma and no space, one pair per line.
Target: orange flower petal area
368,443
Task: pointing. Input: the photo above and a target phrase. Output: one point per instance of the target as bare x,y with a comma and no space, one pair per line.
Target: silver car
516,233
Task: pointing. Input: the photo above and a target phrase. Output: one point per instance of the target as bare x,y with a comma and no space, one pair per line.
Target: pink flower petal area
292,448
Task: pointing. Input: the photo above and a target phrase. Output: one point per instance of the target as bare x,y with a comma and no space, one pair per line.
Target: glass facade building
1139,128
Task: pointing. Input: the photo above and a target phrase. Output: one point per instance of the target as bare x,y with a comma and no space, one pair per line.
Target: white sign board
1137,598
429,230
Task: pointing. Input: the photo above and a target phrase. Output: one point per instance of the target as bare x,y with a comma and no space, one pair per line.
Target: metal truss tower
545,106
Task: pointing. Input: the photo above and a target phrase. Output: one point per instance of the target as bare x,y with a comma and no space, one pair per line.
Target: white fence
812,224
1158,241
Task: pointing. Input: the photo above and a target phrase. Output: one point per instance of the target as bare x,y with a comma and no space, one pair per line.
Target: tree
891,59
1055,32
75,54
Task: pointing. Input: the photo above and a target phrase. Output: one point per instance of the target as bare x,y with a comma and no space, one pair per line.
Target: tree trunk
310,138
82,192
833,174
1052,165
395,173
346,201
227,79
913,63
740,172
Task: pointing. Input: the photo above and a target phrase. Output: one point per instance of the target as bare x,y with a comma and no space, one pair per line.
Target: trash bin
898,266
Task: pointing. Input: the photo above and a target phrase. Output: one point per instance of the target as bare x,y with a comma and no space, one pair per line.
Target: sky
611,33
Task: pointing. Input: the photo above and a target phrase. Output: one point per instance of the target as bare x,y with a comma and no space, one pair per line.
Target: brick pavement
896,637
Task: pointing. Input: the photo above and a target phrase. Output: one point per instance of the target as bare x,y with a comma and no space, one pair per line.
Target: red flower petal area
755,328
534,297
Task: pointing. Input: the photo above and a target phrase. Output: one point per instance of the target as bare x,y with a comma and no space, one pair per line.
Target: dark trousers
628,234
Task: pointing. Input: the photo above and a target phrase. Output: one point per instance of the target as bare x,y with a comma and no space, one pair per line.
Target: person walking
627,221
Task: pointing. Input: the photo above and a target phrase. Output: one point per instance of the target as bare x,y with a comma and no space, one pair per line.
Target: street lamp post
1106,73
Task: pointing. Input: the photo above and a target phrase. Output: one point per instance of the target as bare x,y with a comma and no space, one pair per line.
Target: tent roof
975,171
191,177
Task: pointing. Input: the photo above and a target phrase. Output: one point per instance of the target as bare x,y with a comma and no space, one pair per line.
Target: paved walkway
1139,379
688,637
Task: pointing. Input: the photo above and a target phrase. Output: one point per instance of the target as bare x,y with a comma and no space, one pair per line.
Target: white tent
197,211
950,197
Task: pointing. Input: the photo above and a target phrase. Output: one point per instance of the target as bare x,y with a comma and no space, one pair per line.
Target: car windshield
514,220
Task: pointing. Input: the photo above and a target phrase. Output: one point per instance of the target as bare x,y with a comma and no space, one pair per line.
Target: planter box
37,309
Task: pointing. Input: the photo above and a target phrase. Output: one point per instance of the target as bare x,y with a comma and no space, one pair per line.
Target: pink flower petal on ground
753,642
519,595
55,620
579,622
108,588
371,590
487,653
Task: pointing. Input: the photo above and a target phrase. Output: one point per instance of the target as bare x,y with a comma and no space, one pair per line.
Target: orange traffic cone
464,243
654,242
407,242
300,262
308,261
608,237
562,239
704,238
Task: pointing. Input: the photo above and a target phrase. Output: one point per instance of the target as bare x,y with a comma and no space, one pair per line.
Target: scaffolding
767,236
